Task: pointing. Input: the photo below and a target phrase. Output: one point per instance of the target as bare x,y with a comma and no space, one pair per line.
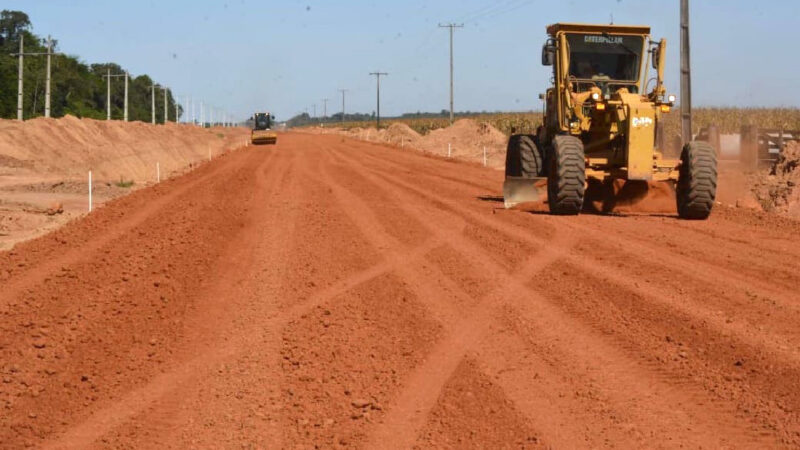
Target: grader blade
519,190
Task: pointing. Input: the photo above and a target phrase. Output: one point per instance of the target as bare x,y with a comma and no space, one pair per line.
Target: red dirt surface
327,292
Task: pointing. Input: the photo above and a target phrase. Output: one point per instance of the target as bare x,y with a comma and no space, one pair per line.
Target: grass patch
124,184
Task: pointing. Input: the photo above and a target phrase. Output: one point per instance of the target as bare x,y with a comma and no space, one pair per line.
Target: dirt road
335,293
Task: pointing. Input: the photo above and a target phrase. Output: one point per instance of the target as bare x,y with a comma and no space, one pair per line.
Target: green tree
77,88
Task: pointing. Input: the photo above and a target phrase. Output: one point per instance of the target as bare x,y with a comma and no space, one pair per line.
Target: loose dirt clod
777,189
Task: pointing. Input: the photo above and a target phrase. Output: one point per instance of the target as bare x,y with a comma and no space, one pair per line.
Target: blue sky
247,55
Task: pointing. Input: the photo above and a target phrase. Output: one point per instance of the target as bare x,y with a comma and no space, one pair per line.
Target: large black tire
523,158
567,176
697,182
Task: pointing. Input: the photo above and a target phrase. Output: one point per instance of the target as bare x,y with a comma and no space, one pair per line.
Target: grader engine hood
639,126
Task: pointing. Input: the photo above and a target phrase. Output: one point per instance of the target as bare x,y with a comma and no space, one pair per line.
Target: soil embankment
44,165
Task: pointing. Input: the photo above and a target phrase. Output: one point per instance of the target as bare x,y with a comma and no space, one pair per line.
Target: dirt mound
69,147
467,139
400,132
777,190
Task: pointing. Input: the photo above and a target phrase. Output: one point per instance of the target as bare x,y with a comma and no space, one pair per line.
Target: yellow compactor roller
262,129
601,119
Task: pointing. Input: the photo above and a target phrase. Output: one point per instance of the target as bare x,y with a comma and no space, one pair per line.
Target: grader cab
601,117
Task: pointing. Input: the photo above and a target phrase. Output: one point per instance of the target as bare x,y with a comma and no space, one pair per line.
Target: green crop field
729,120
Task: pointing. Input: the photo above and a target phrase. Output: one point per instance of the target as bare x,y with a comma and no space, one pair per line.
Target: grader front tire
697,181
567,176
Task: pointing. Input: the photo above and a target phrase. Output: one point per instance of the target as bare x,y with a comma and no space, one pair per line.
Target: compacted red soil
326,292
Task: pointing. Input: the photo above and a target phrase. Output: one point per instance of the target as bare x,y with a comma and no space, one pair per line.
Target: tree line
77,88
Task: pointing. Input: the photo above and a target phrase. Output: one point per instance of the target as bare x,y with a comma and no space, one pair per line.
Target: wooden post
748,147
714,139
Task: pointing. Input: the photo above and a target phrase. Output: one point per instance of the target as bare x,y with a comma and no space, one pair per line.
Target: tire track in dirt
421,394
378,325
629,238
679,264
407,415
104,324
232,347
175,407
473,412
198,332
779,419
708,434
776,345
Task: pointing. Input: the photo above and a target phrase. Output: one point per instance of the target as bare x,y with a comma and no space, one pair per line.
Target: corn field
729,120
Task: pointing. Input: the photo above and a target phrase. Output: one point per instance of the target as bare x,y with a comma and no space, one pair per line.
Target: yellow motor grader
262,129
600,120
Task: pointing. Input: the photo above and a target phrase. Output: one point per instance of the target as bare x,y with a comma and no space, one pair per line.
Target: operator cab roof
552,30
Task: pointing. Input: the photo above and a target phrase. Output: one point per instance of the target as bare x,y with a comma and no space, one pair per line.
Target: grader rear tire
697,181
567,176
523,158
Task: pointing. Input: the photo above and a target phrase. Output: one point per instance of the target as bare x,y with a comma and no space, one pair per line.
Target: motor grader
262,129
601,117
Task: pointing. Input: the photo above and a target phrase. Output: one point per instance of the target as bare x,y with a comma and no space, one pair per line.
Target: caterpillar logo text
641,122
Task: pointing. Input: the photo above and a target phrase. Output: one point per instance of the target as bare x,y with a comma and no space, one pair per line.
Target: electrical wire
501,11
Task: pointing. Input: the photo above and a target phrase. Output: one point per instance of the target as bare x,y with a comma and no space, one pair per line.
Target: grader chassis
600,124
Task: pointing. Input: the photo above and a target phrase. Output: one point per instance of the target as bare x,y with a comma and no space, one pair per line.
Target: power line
488,9
499,10
452,28
378,75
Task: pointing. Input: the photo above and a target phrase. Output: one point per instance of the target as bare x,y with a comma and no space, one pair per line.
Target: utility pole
378,77
126,95
315,110
686,76
452,28
202,115
20,75
343,91
324,108
19,84
108,77
153,104
166,104
108,93
47,84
